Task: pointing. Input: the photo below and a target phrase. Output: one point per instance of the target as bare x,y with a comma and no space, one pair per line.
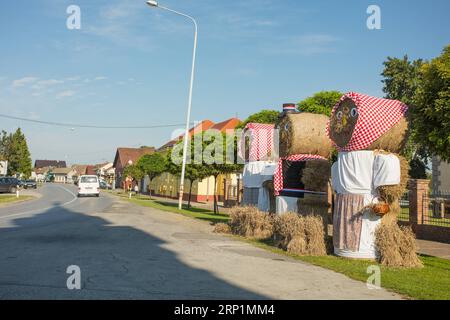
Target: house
167,185
125,157
63,175
90,170
3,167
40,174
105,171
202,126
79,170
440,181
38,164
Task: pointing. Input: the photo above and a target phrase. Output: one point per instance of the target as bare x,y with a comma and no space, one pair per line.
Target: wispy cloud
65,94
43,84
23,81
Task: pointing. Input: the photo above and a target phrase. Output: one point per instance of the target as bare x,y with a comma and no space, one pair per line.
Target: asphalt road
130,252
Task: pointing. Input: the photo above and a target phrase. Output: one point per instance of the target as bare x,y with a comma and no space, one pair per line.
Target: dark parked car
29,184
9,184
104,185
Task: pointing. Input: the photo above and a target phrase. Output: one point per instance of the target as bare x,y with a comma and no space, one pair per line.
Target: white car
88,186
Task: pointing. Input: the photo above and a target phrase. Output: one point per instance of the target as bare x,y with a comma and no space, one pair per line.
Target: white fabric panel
263,200
361,172
353,172
386,170
254,173
286,204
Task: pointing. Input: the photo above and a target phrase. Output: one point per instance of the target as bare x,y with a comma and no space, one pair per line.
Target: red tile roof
203,126
90,170
124,155
227,124
49,163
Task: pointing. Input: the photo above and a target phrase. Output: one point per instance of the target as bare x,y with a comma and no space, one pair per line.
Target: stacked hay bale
316,177
305,134
302,235
251,223
397,246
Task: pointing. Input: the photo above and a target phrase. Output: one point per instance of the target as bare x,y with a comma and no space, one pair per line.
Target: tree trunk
215,196
190,193
150,188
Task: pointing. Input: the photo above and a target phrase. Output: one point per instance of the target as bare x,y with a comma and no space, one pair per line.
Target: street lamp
155,4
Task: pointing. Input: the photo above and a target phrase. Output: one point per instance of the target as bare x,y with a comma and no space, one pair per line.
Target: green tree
264,116
4,145
402,79
193,173
212,154
228,163
321,102
152,165
17,153
133,171
431,114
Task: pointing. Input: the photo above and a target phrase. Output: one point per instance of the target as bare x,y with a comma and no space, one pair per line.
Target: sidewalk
432,248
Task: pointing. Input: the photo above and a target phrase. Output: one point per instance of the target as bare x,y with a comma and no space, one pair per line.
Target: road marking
44,209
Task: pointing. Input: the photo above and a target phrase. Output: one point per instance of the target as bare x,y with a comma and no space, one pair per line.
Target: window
89,180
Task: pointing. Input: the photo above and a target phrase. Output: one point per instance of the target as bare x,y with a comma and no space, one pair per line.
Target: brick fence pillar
418,201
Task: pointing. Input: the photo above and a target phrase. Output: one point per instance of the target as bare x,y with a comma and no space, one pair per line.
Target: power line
73,125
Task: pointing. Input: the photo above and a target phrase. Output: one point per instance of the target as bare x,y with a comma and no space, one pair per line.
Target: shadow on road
116,262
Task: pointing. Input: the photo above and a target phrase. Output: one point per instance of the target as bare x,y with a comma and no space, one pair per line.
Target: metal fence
404,206
438,213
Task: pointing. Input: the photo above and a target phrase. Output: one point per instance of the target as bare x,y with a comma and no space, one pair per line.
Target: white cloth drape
361,172
286,204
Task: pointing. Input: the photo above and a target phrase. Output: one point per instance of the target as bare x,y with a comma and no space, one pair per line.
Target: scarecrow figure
302,175
256,148
369,176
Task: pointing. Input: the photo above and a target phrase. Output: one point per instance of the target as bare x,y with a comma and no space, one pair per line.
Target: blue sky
129,64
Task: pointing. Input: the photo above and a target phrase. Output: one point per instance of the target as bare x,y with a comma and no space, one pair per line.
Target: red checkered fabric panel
278,175
376,117
261,141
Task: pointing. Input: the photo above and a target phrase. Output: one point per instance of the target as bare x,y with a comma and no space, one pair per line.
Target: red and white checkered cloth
376,117
261,141
278,175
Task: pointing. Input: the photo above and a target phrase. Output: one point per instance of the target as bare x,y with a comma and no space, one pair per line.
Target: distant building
63,175
38,164
3,168
90,170
128,156
440,181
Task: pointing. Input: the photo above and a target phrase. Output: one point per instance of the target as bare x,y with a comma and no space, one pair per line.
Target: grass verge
432,282
193,212
6,199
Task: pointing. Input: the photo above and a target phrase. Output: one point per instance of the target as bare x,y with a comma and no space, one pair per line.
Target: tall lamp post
155,4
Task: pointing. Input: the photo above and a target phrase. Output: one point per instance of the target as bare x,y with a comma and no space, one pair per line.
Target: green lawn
9,198
430,282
